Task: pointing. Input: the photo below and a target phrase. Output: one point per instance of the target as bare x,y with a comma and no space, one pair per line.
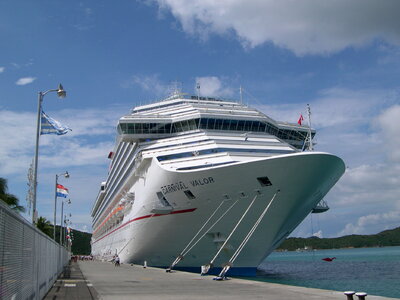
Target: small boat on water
329,258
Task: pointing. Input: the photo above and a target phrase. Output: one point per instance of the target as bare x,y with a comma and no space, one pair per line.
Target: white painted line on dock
70,285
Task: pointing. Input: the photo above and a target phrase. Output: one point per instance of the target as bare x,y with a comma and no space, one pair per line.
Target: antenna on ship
310,143
241,94
198,91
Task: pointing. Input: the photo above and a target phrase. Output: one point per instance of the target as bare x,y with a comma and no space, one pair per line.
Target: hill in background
385,238
81,242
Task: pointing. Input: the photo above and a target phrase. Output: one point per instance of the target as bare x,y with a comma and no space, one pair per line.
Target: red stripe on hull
148,216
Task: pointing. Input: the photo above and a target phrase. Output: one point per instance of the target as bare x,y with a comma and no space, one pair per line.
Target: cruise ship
200,181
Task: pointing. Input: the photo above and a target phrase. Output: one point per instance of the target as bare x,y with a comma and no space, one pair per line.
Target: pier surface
102,280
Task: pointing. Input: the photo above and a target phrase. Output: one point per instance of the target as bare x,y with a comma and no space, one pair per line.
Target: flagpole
55,208
61,93
66,175
40,100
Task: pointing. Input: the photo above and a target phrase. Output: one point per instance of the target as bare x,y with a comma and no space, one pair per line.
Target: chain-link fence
30,261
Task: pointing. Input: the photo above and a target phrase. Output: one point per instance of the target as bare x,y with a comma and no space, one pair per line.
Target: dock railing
30,261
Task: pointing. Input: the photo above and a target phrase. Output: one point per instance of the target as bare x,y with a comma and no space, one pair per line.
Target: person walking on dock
116,260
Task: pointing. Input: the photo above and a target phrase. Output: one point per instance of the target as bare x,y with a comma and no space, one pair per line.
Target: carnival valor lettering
203,181
178,186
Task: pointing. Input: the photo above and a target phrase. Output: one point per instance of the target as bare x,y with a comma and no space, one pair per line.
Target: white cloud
318,234
25,80
366,224
304,27
209,85
389,124
149,83
78,147
83,152
213,86
361,127
2,69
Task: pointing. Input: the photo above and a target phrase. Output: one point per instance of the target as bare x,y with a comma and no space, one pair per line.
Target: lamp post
67,223
66,175
61,94
61,224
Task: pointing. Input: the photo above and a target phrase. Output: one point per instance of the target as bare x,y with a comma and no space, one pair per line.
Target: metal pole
64,231
34,214
310,142
55,207
61,231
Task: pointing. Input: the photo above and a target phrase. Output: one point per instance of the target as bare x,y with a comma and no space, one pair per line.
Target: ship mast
310,143
198,91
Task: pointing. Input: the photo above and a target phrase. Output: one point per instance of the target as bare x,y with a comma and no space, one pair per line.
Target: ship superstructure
206,170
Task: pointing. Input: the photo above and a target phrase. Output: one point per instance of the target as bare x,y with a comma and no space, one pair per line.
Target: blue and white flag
51,126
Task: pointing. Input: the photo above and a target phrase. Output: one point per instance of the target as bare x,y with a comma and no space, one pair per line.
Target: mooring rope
233,230
248,236
186,251
229,264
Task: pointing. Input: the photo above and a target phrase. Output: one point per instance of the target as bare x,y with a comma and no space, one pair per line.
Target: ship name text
178,186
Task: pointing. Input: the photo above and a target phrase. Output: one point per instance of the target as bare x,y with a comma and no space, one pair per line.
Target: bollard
145,264
349,294
361,295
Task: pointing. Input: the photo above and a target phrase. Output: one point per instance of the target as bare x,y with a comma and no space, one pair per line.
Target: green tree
45,226
9,199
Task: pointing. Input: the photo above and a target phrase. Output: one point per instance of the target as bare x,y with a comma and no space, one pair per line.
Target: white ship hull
148,234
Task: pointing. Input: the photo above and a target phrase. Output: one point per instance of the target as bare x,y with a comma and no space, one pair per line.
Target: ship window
240,126
225,125
234,124
197,121
203,123
162,199
247,126
211,123
262,127
218,124
264,181
189,194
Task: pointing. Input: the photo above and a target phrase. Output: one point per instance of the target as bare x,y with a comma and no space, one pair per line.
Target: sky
342,57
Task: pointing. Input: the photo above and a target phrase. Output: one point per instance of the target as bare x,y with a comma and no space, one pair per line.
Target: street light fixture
67,223
62,94
61,224
66,175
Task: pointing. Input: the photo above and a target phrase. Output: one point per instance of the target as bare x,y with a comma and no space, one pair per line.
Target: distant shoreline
385,238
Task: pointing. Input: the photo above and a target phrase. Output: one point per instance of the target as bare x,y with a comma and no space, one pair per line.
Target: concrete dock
102,280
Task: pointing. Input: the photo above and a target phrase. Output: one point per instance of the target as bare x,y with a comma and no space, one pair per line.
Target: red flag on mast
300,119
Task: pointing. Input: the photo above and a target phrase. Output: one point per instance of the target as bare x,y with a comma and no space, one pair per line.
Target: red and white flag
62,191
300,119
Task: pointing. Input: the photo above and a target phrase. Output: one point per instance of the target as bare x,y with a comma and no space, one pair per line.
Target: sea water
375,271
